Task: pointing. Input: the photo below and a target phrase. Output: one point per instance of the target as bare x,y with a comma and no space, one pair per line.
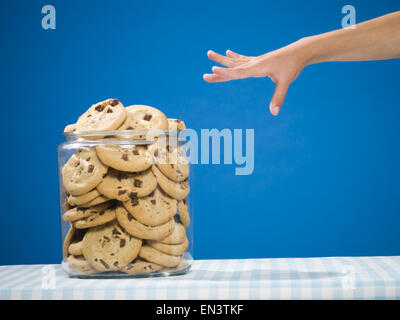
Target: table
291,278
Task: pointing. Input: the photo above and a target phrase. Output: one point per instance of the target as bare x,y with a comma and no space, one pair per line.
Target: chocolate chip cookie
139,230
107,115
131,159
176,190
109,247
83,172
153,210
125,186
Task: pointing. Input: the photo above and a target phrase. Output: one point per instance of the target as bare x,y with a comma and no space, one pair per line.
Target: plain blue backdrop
326,179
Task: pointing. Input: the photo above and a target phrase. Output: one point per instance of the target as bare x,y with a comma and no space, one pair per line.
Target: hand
281,66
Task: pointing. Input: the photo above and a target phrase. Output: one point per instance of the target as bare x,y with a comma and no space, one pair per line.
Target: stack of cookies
125,204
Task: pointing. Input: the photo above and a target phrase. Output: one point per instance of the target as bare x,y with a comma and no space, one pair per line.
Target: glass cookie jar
124,204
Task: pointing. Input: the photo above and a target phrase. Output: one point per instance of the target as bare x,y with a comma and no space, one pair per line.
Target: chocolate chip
115,231
120,192
101,212
114,102
77,164
99,108
134,198
104,264
107,238
177,218
137,183
124,157
115,264
156,153
109,110
184,201
91,168
153,201
147,117
130,218
135,152
122,243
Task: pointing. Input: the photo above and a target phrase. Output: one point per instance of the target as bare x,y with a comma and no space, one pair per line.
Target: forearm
376,39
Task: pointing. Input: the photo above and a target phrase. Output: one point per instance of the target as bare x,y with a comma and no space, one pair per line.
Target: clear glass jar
124,204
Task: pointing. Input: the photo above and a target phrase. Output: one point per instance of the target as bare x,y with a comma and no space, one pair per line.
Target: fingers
212,77
226,74
278,98
232,54
225,61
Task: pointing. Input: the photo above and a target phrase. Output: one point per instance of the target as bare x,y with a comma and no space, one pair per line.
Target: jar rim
156,132
124,136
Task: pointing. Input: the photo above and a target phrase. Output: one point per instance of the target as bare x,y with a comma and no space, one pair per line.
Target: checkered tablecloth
294,278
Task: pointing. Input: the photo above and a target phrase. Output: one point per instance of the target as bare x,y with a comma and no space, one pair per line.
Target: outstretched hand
281,66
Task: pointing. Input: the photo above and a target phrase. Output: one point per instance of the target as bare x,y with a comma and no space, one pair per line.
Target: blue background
326,179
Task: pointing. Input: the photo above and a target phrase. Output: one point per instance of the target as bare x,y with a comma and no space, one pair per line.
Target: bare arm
376,39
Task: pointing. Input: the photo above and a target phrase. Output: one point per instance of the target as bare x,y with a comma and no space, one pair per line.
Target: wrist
305,51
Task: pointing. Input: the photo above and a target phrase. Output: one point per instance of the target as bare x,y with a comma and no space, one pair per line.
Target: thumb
278,98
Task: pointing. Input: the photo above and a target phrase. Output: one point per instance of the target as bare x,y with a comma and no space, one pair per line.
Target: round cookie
170,161
147,118
96,219
172,249
153,210
99,200
139,230
126,125
82,199
66,206
70,128
124,159
107,115
75,248
80,265
176,124
139,266
125,186
177,190
183,211
76,213
153,255
73,235
83,172
109,247
67,241
177,236
183,264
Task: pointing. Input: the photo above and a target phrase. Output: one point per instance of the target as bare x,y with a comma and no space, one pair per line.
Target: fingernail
275,110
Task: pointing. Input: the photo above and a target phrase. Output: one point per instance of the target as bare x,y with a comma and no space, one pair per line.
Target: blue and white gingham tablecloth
292,278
